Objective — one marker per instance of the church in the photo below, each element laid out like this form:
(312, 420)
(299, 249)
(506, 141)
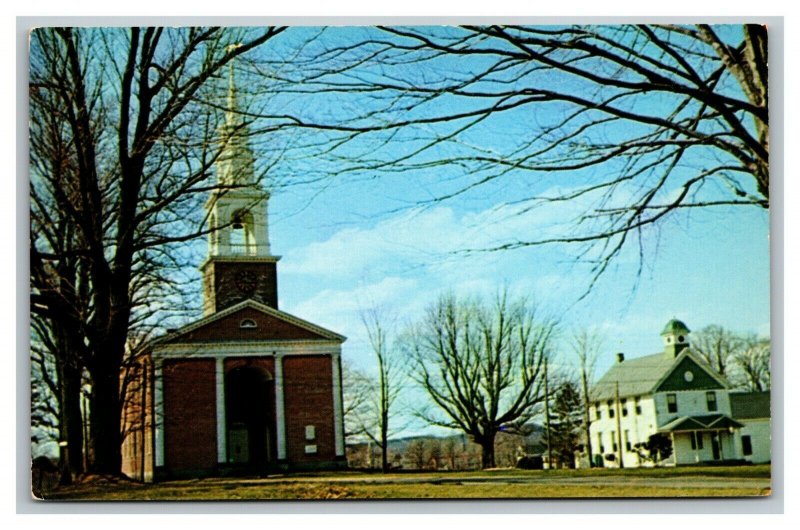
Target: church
(248, 388)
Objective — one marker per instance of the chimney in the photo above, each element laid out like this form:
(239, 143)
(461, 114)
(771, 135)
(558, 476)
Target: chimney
(620, 357)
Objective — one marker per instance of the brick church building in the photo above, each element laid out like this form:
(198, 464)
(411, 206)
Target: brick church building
(247, 388)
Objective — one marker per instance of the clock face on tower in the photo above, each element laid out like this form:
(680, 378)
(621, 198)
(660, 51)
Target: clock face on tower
(245, 282)
(231, 282)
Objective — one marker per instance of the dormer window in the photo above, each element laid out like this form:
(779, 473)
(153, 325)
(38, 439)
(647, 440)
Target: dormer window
(248, 323)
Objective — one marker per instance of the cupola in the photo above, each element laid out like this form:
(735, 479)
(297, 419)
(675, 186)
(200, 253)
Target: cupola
(676, 337)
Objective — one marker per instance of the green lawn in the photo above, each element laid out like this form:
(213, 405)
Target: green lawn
(491, 484)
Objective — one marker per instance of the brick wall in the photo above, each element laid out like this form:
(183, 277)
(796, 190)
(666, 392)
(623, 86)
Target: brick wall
(308, 398)
(266, 363)
(190, 432)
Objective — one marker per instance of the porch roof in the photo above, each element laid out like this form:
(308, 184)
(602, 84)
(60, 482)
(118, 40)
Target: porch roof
(712, 422)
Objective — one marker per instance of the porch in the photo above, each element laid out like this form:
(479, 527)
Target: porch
(702, 439)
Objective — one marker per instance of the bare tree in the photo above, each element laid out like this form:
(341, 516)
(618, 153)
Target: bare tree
(415, 453)
(718, 347)
(586, 345)
(753, 364)
(482, 365)
(355, 393)
(141, 125)
(649, 121)
(743, 359)
(375, 416)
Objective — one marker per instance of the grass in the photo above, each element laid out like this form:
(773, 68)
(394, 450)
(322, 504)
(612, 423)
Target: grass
(741, 481)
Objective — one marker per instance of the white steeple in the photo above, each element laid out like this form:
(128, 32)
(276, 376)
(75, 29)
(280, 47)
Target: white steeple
(238, 210)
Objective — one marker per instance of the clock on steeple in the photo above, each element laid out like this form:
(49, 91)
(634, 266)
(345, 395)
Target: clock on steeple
(239, 265)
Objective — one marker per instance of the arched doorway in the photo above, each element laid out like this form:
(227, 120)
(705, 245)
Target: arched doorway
(249, 406)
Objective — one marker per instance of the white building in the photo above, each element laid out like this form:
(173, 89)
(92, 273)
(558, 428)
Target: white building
(752, 410)
(678, 395)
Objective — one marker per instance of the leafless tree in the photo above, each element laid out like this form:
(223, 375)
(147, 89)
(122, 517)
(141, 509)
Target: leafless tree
(649, 122)
(482, 365)
(753, 364)
(141, 124)
(743, 359)
(355, 393)
(718, 347)
(586, 345)
(415, 453)
(376, 416)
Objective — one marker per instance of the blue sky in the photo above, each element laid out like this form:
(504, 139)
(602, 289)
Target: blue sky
(362, 240)
(359, 241)
(710, 268)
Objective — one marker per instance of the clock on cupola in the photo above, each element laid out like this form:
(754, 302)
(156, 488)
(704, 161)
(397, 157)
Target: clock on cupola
(239, 265)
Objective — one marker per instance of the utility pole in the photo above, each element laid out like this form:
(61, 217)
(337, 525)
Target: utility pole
(547, 416)
(619, 427)
(587, 421)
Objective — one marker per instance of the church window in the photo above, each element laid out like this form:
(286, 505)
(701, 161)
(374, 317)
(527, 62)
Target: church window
(638, 405)
(610, 409)
(248, 323)
(623, 403)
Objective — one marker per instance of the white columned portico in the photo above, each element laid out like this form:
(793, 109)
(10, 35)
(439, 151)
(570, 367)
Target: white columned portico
(338, 427)
(280, 418)
(159, 410)
(222, 449)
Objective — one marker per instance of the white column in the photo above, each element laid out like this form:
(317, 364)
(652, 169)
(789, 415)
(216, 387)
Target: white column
(159, 406)
(338, 415)
(222, 449)
(279, 407)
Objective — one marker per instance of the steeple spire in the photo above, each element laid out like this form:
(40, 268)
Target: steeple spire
(240, 264)
(236, 165)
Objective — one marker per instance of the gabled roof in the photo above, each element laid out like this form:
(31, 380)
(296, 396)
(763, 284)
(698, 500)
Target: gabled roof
(750, 405)
(310, 331)
(700, 423)
(643, 375)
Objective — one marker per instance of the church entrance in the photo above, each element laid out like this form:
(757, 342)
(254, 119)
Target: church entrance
(249, 409)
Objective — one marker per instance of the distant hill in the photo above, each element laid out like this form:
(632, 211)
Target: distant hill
(455, 451)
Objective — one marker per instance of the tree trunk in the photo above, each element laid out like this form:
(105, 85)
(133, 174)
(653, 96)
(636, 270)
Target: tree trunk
(105, 423)
(385, 442)
(487, 450)
(71, 428)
